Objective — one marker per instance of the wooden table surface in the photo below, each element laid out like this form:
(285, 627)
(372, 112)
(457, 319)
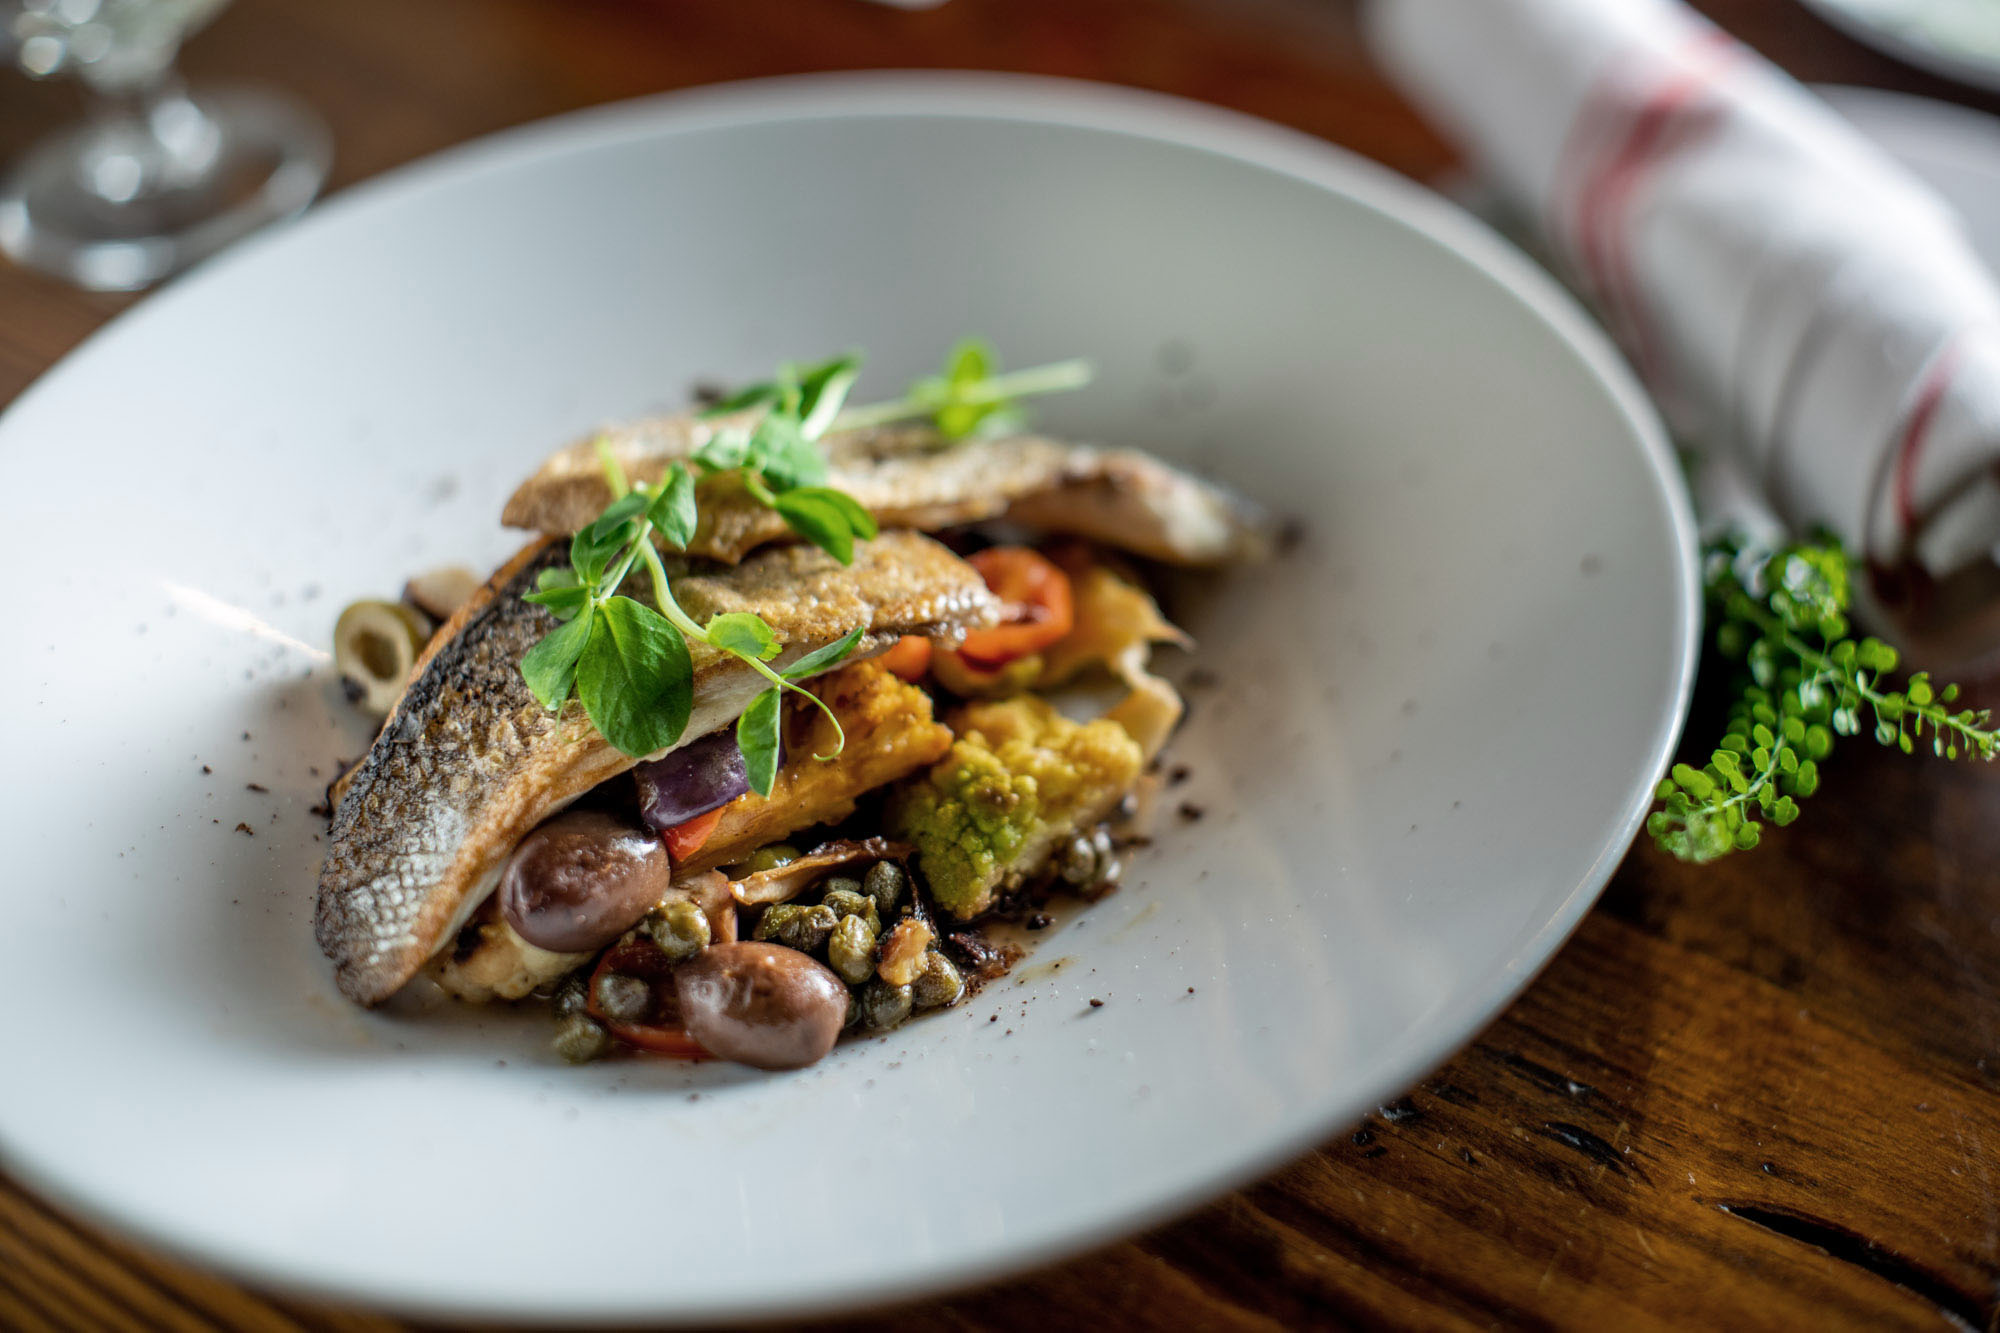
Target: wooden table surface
(1761, 1094)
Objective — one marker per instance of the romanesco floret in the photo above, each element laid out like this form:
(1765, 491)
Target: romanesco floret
(1019, 780)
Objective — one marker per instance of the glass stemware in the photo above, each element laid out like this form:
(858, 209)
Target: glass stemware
(157, 176)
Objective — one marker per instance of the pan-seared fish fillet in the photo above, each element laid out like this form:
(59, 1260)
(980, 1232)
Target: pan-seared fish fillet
(469, 762)
(890, 734)
(910, 477)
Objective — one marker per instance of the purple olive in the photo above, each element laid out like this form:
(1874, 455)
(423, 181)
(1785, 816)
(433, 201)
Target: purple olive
(581, 880)
(761, 1004)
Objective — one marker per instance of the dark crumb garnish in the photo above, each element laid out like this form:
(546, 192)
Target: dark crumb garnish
(1097, 1004)
(246, 829)
(982, 960)
(251, 786)
(206, 769)
(1180, 774)
(1190, 990)
(1191, 812)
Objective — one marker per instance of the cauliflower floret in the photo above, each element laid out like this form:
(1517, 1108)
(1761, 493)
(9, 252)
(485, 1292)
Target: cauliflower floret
(1020, 780)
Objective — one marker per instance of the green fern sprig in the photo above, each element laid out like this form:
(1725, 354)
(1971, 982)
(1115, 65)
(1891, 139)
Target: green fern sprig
(1804, 682)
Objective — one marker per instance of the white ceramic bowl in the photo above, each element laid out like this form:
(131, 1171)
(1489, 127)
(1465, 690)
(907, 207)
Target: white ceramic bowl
(1432, 733)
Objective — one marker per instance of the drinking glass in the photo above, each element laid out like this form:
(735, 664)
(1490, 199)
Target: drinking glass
(157, 176)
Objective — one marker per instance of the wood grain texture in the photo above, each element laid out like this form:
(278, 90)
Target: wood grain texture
(1758, 1095)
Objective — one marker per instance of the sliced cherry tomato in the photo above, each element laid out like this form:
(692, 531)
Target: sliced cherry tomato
(910, 658)
(1037, 607)
(684, 840)
(666, 1036)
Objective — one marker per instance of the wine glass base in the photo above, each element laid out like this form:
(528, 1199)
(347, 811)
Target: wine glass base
(61, 209)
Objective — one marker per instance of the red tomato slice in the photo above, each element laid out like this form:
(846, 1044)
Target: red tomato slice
(684, 840)
(910, 658)
(640, 959)
(1038, 608)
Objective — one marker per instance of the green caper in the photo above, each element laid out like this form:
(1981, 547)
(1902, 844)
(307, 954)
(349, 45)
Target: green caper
(774, 920)
(767, 857)
(680, 929)
(621, 998)
(810, 929)
(939, 984)
(579, 1041)
(853, 1011)
(840, 884)
(569, 998)
(884, 1006)
(884, 884)
(1079, 862)
(796, 927)
(851, 949)
(849, 902)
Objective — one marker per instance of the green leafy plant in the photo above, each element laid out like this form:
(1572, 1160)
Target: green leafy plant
(1804, 681)
(628, 662)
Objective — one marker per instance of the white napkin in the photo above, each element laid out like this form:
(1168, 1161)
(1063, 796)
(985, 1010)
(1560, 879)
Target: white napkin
(1788, 293)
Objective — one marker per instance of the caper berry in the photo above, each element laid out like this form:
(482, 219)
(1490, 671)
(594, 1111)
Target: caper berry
(939, 984)
(680, 929)
(579, 1041)
(849, 902)
(884, 884)
(884, 1006)
(623, 999)
(851, 949)
(768, 857)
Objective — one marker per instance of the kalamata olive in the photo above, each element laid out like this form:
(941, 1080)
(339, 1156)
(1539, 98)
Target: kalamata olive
(761, 1004)
(581, 880)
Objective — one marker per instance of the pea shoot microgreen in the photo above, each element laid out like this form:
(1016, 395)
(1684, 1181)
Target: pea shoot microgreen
(1804, 681)
(629, 663)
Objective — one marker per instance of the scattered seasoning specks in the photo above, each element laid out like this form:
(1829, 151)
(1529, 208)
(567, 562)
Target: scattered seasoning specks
(1190, 811)
(246, 829)
(1097, 1004)
(1180, 774)
(262, 791)
(206, 769)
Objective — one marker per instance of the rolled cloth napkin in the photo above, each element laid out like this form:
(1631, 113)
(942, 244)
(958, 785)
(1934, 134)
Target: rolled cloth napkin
(1791, 296)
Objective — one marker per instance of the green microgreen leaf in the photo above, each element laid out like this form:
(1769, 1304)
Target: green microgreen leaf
(550, 666)
(560, 591)
(672, 510)
(829, 519)
(757, 736)
(744, 634)
(635, 678)
(782, 453)
(822, 391)
(820, 659)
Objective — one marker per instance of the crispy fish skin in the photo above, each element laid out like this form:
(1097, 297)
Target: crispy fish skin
(469, 762)
(910, 477)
